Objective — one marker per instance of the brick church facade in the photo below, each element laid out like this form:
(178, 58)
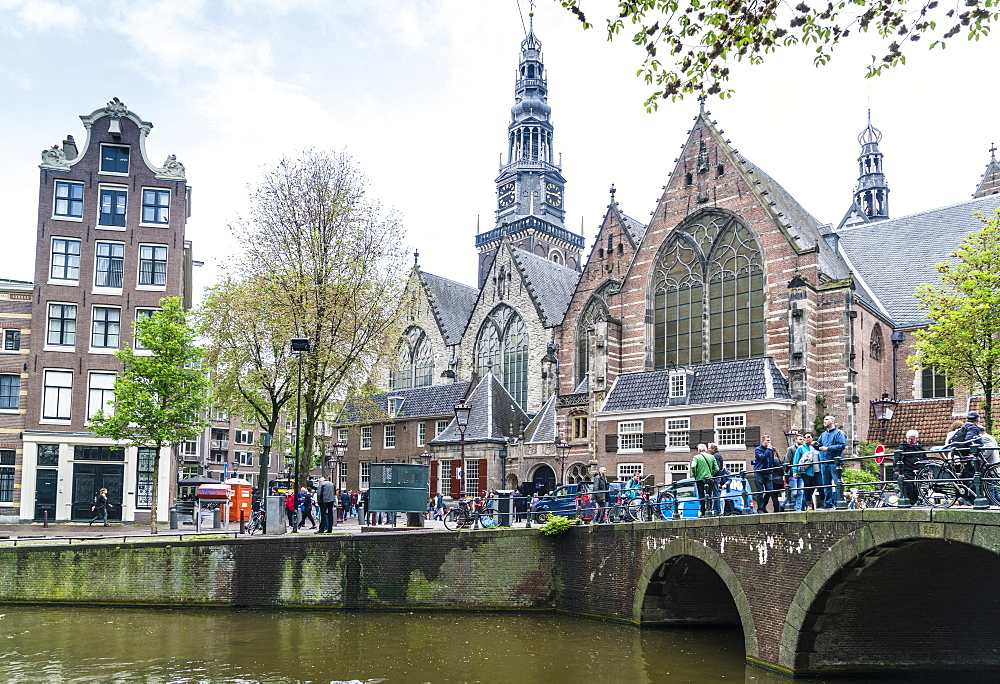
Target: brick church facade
(731, 314)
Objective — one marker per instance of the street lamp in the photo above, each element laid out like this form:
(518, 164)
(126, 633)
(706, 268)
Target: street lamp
(337, 450)
(884, 408)
(300, 346)
(562, 453)
(462, 411)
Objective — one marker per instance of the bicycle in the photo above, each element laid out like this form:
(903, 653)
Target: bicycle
(642, 508)
(942, 481)
(256, 522)
(468, 511)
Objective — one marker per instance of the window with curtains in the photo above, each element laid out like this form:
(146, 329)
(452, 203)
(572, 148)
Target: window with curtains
(708, 302)
(502, 346)
(145, 464)
(7, 459)
(414, 361)
(110, 264)
(153, 265)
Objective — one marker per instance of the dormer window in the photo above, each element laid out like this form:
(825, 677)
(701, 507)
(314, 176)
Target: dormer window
(678, 385)
(395, 406)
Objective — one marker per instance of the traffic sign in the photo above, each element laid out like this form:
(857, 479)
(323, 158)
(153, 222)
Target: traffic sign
(879, 454)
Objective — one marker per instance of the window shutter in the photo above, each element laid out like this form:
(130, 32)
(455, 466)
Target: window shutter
(482, 476)
(434, 478)
(654, 441)
(752, 435)
(611, 443)
(707, 436)
(456, 484)
(695, 438)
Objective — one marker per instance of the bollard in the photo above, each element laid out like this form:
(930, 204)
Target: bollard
(903, 500)
(243, 522)
(45, 519)
(173, 518)
(216, 519)
(981, 503)
(838, 468)
(789, 504)
(746, 494)
(676, 508)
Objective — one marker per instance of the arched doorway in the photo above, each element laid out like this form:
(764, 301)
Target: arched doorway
(914, 604)
(544, 479)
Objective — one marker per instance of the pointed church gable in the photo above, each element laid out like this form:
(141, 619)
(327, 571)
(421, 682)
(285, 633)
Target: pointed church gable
(551, 285)
(452, 304)
(989, 184)
(494, 416)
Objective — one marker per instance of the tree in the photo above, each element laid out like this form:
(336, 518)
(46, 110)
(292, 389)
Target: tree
(328, 263)
(161, 393)
(253, 372)
(964, 339)
(699, 37)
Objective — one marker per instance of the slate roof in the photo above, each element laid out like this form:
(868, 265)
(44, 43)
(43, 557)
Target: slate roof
(896, 255)
(494, 413)
(990, 183)
(452, 303)
(551, 285)
(805, 228)
(636, 229)
(542, 428)
(931, 417)
(745, 380)
(433, 400)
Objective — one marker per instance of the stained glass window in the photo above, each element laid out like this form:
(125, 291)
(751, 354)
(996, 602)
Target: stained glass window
(414, 361)
(502, 346)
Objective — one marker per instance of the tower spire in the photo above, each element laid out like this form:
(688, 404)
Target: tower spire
(990, 183)
(872, 193)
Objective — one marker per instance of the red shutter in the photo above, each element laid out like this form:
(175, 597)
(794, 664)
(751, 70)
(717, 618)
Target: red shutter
(456, 484)
(482, 476)
(434, 478)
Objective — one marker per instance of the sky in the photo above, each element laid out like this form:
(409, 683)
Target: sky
(419, 94)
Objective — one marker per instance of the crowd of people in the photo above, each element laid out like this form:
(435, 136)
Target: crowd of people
(321, 502)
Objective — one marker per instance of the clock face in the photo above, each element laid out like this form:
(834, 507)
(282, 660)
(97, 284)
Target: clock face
(553, 194)
(506, 194)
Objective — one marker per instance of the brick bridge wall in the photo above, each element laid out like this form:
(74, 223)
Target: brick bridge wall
(832, 591)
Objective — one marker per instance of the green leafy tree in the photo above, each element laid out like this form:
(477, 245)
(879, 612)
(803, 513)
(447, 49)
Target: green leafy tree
(329, 264)
(964, 340)
(161, 394)
(688, 45)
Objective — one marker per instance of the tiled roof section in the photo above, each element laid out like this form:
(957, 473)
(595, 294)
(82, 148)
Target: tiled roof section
(804, 227)
(990, 183)
(746, 380)
(433, 400)
(453, 303)
(551, 285)
(891, 273)
(636, 229)
(931, 417)
(584, 386)
(495, 415)
(542, 428)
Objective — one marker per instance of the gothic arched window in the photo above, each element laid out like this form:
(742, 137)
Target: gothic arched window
(711, 266)
(414, 361)
(595, 310)
(502, 346)
(875, 345)
(577, 473)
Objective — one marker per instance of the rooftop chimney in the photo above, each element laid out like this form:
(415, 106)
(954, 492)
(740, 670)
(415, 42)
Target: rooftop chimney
(69, 148)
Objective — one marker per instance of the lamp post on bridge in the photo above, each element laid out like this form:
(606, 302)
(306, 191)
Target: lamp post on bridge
(462, 411)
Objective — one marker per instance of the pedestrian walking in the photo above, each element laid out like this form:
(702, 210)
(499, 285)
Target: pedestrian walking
(100, 507)
(306, 506)
(832, 443)
(290, 510)
(345, 505)
(721, 479)
(601, 494)
(326, 496)
(765, 467)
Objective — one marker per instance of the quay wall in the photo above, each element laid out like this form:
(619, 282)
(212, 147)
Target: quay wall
(503, 570)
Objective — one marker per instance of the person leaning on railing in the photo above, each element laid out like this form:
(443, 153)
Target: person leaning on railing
(913, 451)
(703, 469)
(766, 471)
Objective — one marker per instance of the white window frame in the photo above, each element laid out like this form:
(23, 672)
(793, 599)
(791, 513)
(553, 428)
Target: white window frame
(470, 466)
(17, 396)
(444, 478)
(342, 434)
(244, 458)
(342, 484)
(244, 437)
(104, 289)
(100, 205)
(76, 327)
(142, 206)
(678, 385)
(136, 316)
(139, 285)
(71, 282)
(364, 475)
(93, 329)
(8, 469)
(577, 422)
(627, 470)
(366, 437)
(729, 429)
(100, 161)
(630, 436)
(735, 466)
(671, 467)
(100, 395)
(63, 397)
(388, 436)
(188, 448)
(678, 433)
(56, 198)
(440, 426)
(421, 434)
(3, 340)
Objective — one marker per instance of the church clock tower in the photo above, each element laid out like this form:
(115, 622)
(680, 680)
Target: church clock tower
(530, 187)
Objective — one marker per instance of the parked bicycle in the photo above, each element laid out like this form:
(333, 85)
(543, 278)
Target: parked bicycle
(256, 522)
(941, 481)
(468, 511)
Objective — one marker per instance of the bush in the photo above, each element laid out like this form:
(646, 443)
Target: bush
(853, 476)
(556, 524)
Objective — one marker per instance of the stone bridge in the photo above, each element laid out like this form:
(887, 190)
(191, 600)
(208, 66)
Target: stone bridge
(814, 593)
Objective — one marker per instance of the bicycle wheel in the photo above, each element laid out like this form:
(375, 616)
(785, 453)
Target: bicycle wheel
(487, 519)
(454, 518)
(933, 489)
(991, 483)
(639, 511)
(254, 525)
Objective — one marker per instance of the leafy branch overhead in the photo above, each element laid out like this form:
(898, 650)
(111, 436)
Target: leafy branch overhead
(689, 45)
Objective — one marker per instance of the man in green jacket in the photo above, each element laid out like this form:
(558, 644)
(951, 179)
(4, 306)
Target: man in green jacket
(703, 469)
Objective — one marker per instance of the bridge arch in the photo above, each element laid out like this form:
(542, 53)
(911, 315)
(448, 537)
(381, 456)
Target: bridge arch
(895, 596)
(698, 565)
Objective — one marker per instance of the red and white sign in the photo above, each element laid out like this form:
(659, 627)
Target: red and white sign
(879, 454)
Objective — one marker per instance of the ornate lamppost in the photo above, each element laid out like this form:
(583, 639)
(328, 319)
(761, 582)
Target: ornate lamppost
(884, 408)
(462, 411)
(337, 451)
(562, 453)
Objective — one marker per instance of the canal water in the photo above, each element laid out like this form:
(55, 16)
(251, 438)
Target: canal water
(55, 644)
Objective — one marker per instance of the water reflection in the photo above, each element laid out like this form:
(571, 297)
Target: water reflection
(158, 645)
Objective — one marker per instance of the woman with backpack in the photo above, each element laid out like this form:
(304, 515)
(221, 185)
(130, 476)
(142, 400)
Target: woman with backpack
(806, 468)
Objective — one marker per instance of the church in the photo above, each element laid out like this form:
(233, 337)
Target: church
(730, 314)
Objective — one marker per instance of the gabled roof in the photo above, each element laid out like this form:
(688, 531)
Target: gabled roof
(854, 216)
(495, 415)
(452, 304)
(542, 428)
(636, 228)
(420, 402)
(551, 285)
(990, 183)
(895, 255)
(745, 380)
(931, 417)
